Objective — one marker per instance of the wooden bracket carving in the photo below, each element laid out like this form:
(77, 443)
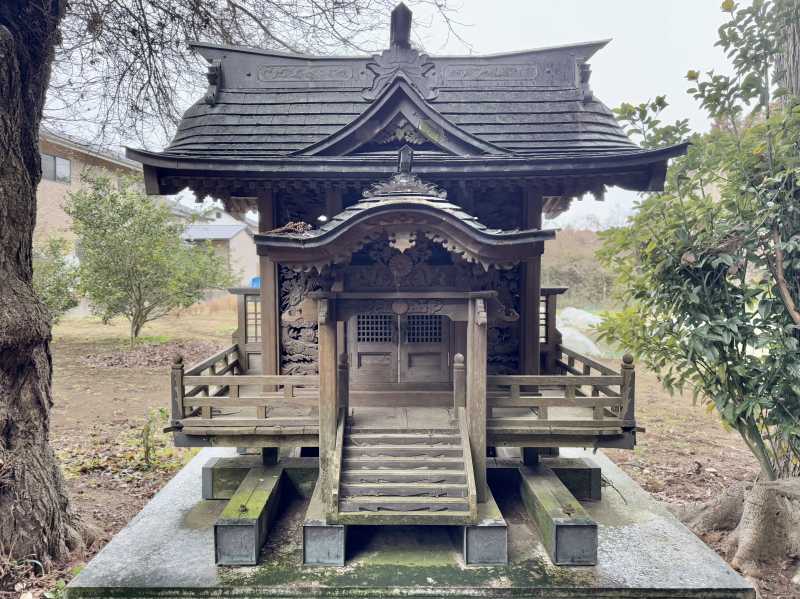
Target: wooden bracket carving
(323, 307)
(480, 312)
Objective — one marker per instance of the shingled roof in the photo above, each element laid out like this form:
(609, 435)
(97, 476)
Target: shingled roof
(269, 104)
(530, 113)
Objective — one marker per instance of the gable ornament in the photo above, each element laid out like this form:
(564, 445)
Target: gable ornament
(402, 63)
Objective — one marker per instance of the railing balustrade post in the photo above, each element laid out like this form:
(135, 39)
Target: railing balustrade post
(344, 384)
(459, 382)
(628, 389)
(176, 384)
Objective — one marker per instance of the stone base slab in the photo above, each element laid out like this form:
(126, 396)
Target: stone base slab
(167, 551)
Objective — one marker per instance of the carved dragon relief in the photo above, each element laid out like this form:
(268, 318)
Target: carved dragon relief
(402, 131)
(299, 349)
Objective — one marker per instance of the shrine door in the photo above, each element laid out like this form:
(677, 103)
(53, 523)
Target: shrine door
(387, 348)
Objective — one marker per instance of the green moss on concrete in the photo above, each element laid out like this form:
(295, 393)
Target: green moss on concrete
(202, 515)
(253, 494)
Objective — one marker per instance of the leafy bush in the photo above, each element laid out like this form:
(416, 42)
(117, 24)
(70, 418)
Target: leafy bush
(55, 276)
(133, 260)
(710, 268)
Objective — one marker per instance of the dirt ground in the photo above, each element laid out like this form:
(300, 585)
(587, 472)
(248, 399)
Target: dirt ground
(109, 405)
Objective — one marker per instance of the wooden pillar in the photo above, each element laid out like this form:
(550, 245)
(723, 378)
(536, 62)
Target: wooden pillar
(531, 289)
(328, 393)
(270, 315)
(476, 393)
(333, 206)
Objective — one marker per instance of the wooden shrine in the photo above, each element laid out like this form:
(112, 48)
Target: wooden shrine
(401, 326)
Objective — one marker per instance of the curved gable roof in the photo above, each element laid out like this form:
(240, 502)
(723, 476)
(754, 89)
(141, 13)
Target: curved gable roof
(401, 101)
(268, 104)
(403, 208)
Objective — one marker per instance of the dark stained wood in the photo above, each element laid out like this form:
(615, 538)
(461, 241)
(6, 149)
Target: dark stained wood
(531, 288)
(328, 399)
(476, 393)
(270, 326)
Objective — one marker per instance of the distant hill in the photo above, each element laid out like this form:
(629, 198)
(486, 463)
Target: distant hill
(569, 261)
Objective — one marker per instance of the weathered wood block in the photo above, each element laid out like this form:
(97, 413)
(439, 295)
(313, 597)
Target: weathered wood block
(323, 544)
(222, 476)
(568, 533)
(241, 529)
(532, 455)
(580, 475)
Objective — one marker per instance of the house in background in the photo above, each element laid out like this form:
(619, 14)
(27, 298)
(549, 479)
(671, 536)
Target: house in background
(231, 238)
(64, 160)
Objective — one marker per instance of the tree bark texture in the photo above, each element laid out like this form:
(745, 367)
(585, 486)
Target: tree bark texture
(788, 62)
(35, 518)
(762, 519)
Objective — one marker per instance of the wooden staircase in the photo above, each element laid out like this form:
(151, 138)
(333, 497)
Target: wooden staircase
(406, 476)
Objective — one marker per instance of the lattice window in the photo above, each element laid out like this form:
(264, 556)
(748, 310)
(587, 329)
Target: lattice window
(252, 315)
(375, 328)
(422, 328)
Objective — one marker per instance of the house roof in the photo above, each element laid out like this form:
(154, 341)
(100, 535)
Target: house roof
(77, 145)
(211, 232)
(531, 114)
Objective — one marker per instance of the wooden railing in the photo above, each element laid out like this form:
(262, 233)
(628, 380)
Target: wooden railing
(605, 396)
(212, 393)
(469, 466)
(549, 336)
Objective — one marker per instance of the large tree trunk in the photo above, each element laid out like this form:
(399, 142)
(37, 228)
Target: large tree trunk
(788, 61)
(762, 519)
(35, 519)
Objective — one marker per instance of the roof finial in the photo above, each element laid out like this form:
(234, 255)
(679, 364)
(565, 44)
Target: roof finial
(405, 159)
(400, 36)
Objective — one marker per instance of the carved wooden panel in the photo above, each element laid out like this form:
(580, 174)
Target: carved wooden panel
(299, 349)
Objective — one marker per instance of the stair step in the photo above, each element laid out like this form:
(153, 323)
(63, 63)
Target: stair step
(372, 430)
(403, 504)
(403, 439)
(386, 475)
(403, 490)
(427, 451)
(405, 463)
(448, 518)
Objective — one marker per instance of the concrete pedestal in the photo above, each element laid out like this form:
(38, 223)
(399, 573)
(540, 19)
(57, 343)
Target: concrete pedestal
(167, 552)
(323, 544)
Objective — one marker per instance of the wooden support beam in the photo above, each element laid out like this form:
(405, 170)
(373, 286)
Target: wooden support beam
(476, 393)
(568, 533)
(328, 392)
(333, 206)
(270, 315)
(531, 289)
(222, 476)
(242, 527)
(581, 476)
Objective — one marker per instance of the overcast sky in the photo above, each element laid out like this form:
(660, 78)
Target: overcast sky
(653, 44)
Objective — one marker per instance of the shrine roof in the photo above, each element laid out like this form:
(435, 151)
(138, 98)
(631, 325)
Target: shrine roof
(274, 113)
